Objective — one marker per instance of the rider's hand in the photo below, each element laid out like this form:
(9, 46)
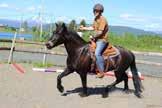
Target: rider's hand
(92, 38)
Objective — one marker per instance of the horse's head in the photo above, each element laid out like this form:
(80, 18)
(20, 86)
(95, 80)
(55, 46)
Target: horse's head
(58, 36)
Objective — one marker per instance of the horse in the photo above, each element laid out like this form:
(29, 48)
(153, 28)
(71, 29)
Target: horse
(79, 60)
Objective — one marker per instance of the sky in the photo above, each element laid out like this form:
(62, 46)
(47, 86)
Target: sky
(142, 14)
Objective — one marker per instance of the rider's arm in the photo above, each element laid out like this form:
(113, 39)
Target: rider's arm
(86, 28)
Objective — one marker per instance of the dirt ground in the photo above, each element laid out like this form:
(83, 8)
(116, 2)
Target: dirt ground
(38, 90)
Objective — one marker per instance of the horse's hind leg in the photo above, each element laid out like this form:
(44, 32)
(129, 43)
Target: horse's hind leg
(83, 77)
(119, 78)
(125, 78)
(107, 89)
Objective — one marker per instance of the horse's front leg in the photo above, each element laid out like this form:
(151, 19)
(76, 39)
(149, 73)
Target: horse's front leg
(64, 73)
(83, 77)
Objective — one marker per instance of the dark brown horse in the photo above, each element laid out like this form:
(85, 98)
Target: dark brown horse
(79, 60)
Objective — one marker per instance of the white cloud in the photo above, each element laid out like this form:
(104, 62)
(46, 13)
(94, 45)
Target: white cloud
(68, 19)
(153, 25)
(2, 17)
(63, 18)
(39, 7)
(35, 17)
(31, 8)
(80, 18)
(160, 18)
(27, 9)
(7, 6)
(17, 9)
(125, 16)
(130, 17)
(4, 5)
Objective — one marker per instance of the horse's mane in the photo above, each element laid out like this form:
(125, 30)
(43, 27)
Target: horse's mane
(75, 36)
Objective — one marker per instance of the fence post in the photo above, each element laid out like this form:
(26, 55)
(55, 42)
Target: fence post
(10, 58)
(44, 56)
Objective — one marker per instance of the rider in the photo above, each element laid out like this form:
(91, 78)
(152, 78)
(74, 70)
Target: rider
(100, 26)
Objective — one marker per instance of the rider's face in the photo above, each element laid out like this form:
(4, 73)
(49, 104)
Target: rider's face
(96, 13)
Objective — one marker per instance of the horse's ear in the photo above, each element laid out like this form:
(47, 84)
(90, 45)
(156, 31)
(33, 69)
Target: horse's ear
(64, 26)
(56, 24)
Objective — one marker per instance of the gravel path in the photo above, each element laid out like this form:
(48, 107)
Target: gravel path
(38, 90)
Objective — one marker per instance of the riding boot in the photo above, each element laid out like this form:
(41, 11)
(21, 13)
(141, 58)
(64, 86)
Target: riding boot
(100, 74)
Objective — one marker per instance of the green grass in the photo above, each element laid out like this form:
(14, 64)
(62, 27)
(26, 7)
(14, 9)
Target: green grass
(140, 43)
(7, 30)
(151, 43)
(38, 64)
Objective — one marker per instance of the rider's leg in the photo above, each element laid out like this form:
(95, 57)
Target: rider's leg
(100, 47)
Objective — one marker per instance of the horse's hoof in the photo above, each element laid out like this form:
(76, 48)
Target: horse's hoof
(138, 94)
(105, 95)
(60, 88)
(83, 94)
(64, 94)
(127, 91)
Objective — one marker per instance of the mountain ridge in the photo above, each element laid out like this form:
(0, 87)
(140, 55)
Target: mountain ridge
(125, 29)
(115, 29)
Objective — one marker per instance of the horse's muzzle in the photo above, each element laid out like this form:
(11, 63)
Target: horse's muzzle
(49, 45)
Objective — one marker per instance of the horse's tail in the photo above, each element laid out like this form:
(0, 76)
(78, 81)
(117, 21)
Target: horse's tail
(136, 79)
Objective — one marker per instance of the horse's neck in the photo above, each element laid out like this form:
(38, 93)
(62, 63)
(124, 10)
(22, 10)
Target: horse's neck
(72, 48)
(73, 45)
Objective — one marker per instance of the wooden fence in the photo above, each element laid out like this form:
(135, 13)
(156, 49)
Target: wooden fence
(45, 51)
(12, 48)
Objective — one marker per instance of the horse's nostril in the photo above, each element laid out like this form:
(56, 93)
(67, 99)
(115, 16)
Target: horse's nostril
(47, 44)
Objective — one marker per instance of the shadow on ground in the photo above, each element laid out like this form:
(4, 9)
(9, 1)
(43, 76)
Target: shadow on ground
(96, 91)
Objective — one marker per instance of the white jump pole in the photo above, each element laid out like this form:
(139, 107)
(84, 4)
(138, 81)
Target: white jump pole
(110, 73)
(44, 56)
(47, 70)
(12, 48)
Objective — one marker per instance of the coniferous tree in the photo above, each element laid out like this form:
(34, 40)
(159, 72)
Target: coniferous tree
(73, 25)
(83, 23)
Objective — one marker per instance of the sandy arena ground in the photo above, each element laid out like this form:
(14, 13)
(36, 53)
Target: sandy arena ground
(38, 90)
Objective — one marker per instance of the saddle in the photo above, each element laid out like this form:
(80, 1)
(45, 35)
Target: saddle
(110, 51)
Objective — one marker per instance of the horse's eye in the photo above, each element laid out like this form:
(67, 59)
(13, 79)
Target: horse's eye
(54, 32)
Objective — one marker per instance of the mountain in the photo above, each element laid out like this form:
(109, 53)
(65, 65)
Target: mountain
(158, 32)
(135, 31)
(11, 23)
(115, 29)
(16, 23)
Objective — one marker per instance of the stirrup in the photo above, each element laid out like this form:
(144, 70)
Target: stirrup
(100, 75)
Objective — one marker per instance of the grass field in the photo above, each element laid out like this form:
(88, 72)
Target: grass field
(152, 43)
(140, 43)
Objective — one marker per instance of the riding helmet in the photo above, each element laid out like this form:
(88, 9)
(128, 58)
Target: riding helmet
(98, 7)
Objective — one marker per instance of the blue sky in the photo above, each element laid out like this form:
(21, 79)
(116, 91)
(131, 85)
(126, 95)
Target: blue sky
(143, 14)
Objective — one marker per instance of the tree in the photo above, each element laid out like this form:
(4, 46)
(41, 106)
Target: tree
(83, 23)
(34, 29)
(25, 25)
(72, 25)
